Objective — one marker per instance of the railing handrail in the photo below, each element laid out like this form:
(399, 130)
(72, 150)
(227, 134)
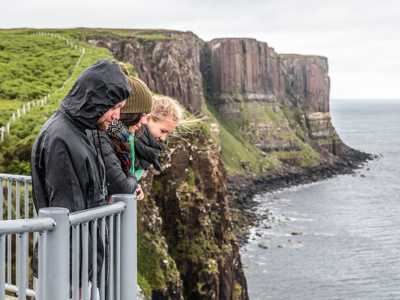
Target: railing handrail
(15, 177)
(26, 225)
(91, 214)
(58, 231)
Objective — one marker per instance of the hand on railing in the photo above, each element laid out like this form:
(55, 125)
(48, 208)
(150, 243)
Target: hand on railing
(139, 193)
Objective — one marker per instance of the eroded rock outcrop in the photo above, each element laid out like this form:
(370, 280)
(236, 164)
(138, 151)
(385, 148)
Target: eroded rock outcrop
(307, 88)
(169, 65)
(193, 209)
(276, 98)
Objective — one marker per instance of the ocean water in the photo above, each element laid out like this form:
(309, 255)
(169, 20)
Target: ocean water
(338, 238)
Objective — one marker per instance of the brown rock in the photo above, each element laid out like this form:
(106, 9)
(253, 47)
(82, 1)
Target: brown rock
(169, 66)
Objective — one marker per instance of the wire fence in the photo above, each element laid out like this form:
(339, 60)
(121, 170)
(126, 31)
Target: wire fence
(28, 106)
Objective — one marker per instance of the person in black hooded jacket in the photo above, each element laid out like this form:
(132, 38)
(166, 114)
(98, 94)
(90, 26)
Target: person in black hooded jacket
(67, 170)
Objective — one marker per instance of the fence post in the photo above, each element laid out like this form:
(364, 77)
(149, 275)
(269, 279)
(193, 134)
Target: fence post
(128, 247)
(56, 269)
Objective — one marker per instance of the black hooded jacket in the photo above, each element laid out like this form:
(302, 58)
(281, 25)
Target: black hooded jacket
(67, 170)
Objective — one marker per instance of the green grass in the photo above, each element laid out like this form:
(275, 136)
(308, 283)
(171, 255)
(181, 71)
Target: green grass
(16, 149)
(305, 157)
(84, 34)
(152, 275)
(31, 66)
(237, 151)
(7, 107)
(238, 138)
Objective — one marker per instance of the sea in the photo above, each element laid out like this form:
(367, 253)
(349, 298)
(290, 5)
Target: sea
(338, 238)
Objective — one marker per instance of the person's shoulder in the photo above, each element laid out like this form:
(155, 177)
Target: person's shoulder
(52, 129)
(57, 126)
(98, 137)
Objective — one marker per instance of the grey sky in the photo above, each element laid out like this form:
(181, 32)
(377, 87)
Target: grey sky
(359, 37)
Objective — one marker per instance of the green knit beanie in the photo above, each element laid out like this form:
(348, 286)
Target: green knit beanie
(141, 99)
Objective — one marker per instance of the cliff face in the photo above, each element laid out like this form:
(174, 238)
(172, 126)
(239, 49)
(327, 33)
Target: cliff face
(187, 248)
(307, 87)
(243, 68)
(306, 81)
(169, 65)
(193, 200)
(279, 99)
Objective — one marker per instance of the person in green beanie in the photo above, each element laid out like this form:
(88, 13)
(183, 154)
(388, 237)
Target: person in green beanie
(116, 143)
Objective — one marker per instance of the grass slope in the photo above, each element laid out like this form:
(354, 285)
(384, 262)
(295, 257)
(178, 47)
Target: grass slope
(239, 156)
(31, 65)
(30, 68)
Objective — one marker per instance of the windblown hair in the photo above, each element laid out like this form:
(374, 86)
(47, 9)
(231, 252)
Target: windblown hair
(165, 107)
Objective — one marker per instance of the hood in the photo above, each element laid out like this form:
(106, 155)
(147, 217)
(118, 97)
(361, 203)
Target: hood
(97, 89)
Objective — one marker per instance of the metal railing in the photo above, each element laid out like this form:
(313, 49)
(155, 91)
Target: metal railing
(15, 203)
(21, 228)
(68, 248)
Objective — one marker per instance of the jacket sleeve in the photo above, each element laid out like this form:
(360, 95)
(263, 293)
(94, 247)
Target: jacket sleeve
(63, 186)
(117, 181)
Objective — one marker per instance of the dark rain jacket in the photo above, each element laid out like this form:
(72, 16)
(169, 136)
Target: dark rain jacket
(118, 180)
(67, 170)
(116, 151)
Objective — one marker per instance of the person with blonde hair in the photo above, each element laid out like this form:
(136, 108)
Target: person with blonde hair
(166, 114)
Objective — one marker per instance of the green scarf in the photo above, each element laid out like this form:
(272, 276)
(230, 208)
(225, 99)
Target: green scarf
(139, 172)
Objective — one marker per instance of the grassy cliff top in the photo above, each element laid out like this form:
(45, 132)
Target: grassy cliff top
(300, 56)
(83, 33)
(32, 65)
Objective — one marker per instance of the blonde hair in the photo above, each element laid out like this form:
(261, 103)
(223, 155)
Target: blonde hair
(165, 107)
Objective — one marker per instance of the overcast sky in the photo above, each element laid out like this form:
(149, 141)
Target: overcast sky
(361, 38)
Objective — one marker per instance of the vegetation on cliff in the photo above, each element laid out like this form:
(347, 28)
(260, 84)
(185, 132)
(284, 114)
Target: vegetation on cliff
(30, 68)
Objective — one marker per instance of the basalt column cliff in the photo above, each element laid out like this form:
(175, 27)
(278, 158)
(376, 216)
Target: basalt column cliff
(278, 102)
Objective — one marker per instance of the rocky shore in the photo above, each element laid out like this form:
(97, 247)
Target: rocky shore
(243, 189)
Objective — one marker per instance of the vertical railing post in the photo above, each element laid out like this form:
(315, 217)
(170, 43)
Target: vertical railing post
(56, 271)
(2, 265)
(128, 247)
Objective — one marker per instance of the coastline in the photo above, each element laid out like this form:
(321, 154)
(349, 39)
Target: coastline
(243, 189)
